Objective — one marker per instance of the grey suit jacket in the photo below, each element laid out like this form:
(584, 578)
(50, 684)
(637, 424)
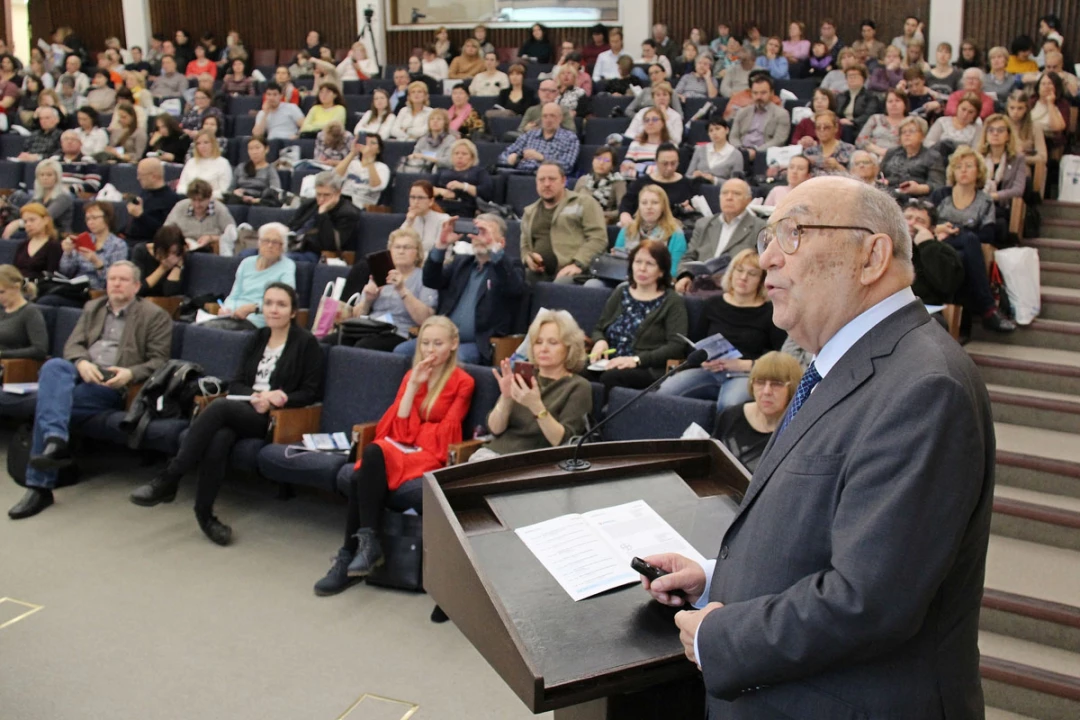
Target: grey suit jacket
(706, 236)
(777, 126)
(852, 574)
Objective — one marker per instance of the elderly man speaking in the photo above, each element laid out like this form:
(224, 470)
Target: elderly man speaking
(848, 584)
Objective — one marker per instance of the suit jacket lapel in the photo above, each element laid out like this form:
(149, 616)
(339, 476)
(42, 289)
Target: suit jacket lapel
(853, 369)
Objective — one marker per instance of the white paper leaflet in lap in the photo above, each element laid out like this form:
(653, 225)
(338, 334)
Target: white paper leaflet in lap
(590, 553)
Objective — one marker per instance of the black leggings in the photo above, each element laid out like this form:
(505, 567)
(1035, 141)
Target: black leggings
(367, 494)
(209, 442)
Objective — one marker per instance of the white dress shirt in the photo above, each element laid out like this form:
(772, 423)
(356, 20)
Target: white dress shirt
(607, 65)
(836, 347)
(727, 229)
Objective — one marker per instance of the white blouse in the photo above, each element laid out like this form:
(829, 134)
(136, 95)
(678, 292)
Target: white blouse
(408, 126)
(370, 126)
(215, 171)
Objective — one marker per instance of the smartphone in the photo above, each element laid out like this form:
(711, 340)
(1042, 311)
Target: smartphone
(465, 227)
(380, 264)
(106, 374)
(84, 241)
(525, 370)
(361, 138)
(650, 571)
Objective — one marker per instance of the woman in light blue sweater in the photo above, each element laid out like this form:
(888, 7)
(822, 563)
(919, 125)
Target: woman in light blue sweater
(256, 273)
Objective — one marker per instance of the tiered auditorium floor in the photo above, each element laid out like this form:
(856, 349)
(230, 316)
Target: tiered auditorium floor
(144, 618)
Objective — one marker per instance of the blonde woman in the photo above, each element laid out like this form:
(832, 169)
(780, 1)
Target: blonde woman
(469, 63)
(1030, 136)
(743, 315)
(432, 150)
(23, 333)
(1006, 171)
(654, 221)
(431, 404)
(549, 408)
(51, 192)
(207, 164)
(411, 122)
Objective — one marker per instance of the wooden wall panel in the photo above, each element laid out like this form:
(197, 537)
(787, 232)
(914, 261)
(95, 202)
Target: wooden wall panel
(92, 20)
(997, 22)
(262, 24)
(773, 17)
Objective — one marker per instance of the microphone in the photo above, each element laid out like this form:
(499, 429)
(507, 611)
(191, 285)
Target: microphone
(575, 464)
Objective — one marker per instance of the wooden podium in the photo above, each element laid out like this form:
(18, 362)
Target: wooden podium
(591, 659)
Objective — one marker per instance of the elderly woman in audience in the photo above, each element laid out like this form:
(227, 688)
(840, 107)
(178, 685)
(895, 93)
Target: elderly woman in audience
(959, 129)
(282, 367)
(127, 139)
(23, 333)
(912, 168)
(330, 108)
(102, 95)
(573, 100)
(654, 221)
(404, 297)
(202, 220)
(424, 216)
(432, 150)
(238, 82)
(1030, 136)
(831, 153)
(742, 313)
(161, 263)
(366, 176)
(255, 273)
(460, 109)
(141, 97)
(889, 73)
(882, 132)
(378, 119)
(332, 144)
(799, 170)
(865, 166)
(642, 323)
(168, 142)
(40, 252)
(641, 154)
(857, 103)
(460, 185)
(661, 95)
(50, 192)
(549, 408)
(517, 98)
(998, 81)
(822, 100)
(1006, 171)
(700, 83)
(604, 183)
(412, 119)
(255, 180)
(200, 109)
(207, 164)
(491, 81)
(745, 429)
(431, 404)
(93, 263)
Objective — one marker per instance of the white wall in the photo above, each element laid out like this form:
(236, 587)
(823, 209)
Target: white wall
(136, 23)
(20, 30)
(946, 23)
(636, 20)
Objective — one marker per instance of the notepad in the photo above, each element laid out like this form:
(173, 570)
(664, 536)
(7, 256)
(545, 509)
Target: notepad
(20, 388)
(590, 553)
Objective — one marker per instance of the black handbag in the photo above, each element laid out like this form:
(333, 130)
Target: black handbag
(18, 458)
(76, 292)
(612, 268)
(354, 330)
(403, 547)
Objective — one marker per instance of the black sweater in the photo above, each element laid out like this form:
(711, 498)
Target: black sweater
(298, 373)
(678, 192)
(749, 329)
(157, 204)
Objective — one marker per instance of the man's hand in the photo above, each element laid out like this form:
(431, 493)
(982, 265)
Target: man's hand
(512, 159)
(751, 153)
(682, 285)
(135, 209)
(534, 262)
(531, 154)
(688, 621)
(682, 574)
(569, 271)
(447, 236)
(121, 379)
(89, 372)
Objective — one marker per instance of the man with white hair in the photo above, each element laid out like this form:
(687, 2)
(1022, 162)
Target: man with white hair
(829, 597)
(548, 143)
(324, 223)
(971, 82)
(45, 141)
(725, 234)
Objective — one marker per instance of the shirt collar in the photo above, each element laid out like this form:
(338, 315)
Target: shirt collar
(121, 313)
(847, 336)
(738, 218)
(209, 210)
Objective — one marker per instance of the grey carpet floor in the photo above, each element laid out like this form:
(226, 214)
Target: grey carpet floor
(144, 618)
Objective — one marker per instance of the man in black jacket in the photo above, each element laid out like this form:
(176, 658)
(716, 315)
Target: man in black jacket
(152, 205)
(480, 292)
(326, 222)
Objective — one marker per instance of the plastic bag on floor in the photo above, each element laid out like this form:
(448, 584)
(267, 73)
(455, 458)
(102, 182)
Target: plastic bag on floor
(1019, 267)
(1069, 179)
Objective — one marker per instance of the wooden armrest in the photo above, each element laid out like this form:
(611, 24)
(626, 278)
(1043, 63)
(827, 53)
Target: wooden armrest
(212, 307)
(952, 315)
(21, 370)
(1038, 181)
(459, 453)
(363, 434)
(214, 246)
(504, 347)
(348, 256)
(289, 425)
(302, 317)
(1016, 217)
(132, 391)
(672, 363)
(95, 294)
(170, 305)
(202, 401)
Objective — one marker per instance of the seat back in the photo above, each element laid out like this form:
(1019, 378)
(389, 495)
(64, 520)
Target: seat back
(597, 129)
(66, 318)
(584, 303)
(521, 192)
(7, 251)
(209, 274)
(485, 395)
(259, 216)
(374, 231)
(668, 416)
(220, 352)
(499, 126)
(304, 272)
(123, 178)
(360, 385)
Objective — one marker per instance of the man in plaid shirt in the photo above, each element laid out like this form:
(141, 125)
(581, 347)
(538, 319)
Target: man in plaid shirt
(45, 142)
(548, 143)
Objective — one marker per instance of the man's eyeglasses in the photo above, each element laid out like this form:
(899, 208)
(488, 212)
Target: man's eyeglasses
(789, 233)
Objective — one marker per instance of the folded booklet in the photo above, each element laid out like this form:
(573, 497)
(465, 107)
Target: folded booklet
(708, 267)
(718, 347)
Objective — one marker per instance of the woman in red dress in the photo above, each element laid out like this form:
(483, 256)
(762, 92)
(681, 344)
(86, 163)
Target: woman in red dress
(413, 437)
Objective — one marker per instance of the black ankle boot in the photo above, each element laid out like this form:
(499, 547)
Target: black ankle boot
(161, 489)
(213, 528)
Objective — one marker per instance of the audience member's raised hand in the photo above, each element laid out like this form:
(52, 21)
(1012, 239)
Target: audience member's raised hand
(447, 236)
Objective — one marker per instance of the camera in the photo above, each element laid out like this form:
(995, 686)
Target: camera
(369, 13)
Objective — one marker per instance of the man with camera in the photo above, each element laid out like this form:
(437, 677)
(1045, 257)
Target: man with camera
(152, 205)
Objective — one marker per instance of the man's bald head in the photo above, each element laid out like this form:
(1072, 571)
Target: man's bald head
(550, 117)
(151, 173)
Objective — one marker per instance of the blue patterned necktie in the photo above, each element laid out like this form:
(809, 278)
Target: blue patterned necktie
(809, 379)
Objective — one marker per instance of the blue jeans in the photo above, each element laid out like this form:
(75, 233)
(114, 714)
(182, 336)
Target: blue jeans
(466, 352)
(62, 398)
(728, 388)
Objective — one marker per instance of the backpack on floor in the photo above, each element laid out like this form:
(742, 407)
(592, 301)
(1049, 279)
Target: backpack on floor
(18, 458)
(403, 546)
